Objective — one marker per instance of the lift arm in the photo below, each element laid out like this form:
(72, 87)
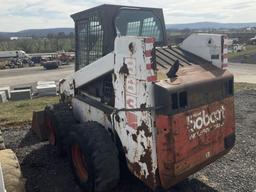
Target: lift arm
(96, 69)
(87, 74)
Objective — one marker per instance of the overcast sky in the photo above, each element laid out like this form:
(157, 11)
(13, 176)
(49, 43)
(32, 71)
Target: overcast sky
(17, 15)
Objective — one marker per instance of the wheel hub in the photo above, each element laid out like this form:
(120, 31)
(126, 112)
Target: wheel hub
(51, 132)
(79, 163)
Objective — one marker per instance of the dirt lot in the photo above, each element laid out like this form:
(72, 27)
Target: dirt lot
(236, 172)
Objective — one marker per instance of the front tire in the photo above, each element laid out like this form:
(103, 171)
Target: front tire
(94, 157)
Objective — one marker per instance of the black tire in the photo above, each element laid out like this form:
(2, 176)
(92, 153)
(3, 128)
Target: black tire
(160, 189)
(13, 179)
(99, 157)
(2, 146)
(59, 120)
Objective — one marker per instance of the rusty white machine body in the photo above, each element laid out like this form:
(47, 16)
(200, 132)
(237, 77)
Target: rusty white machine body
(171, 108)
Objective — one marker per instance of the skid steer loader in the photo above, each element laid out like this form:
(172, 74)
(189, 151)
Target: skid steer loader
(165, 112)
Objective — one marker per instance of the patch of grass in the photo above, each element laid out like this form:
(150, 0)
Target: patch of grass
(244, 86)
(250, 49)
(20, 112)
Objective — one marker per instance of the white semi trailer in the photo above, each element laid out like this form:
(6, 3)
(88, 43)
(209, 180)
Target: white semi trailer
(14, 59)
(13, 54)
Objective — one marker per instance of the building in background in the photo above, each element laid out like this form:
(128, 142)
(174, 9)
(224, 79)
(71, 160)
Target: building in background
(20, 38)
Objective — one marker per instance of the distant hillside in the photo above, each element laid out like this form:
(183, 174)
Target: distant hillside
(200, 25)
(45, 32)
(210, 25)
(37, 32)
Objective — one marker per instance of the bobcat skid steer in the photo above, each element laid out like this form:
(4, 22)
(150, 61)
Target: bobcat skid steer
(165, 112)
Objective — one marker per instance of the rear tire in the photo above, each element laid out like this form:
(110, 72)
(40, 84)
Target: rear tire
(13, 179)
(59, 120)
(94, 157)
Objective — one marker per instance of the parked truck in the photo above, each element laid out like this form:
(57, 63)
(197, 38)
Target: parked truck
(162, 112)
(50, 64)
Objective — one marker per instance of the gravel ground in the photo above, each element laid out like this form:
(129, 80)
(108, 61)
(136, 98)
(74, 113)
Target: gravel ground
(236, 172)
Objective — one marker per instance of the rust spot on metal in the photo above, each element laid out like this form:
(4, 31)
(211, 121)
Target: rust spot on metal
(146, 158)
(149, 180)
(125, 150)
(148, 176)
(142, 144)
(117, 118)
(144, 128)
(135, 167)
(124, 69)
(143, 106)
(145, 86)
(134, 138)
(131, 48)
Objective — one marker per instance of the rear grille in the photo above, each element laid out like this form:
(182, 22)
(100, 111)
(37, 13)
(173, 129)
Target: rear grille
(166, 57)
(171, 100)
